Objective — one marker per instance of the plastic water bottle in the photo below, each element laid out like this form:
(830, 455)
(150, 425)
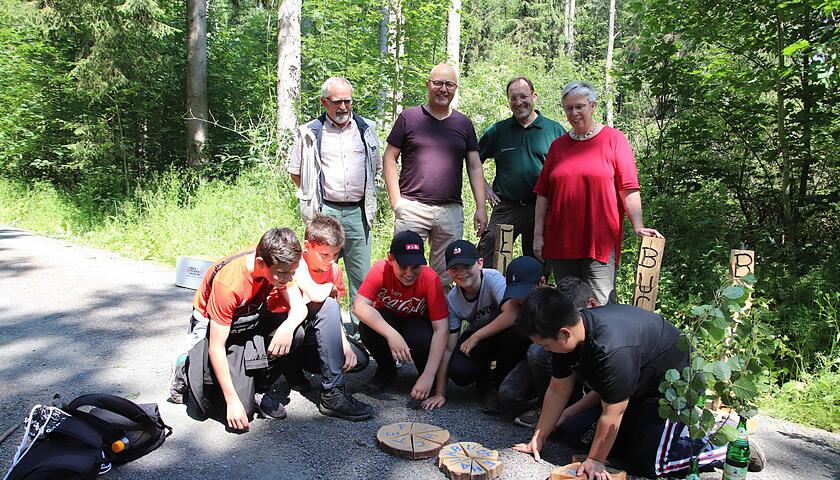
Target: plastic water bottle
(120, 445)
(737, 455)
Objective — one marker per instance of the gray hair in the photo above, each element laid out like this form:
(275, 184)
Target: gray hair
(578, 88)
(325, 88)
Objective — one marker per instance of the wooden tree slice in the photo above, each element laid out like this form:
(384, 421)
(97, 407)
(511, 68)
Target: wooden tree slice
(417, 427)
(569, 472)
(469, 461)
(411, 440)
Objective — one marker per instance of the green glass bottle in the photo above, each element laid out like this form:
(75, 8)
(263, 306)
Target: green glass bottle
(737, 455)
(694, 470)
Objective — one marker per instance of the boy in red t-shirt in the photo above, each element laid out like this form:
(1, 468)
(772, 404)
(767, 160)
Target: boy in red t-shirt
(403, 314)
(321, 281)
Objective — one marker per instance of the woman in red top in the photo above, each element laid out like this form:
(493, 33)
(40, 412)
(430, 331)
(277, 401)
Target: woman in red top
(588, 182)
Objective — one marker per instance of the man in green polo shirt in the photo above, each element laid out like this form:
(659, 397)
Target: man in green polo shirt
(518, 145)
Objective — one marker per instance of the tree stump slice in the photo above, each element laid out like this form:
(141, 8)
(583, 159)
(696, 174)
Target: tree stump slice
(569, 472)
(469, 461)
(411, 440)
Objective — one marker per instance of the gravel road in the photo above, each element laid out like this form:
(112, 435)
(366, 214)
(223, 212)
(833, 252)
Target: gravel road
(77, 320)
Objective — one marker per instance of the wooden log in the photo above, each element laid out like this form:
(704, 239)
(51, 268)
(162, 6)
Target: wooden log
(469, 461)
(411, 440)
(569, 472)
(503, 250)
(647, 272)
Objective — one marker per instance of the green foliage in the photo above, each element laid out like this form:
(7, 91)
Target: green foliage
(160, 221)
(731, 108)
(730, 350)
(813, 399)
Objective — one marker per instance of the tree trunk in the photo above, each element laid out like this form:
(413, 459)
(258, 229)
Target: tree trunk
(288, 68)
(787, 211)
(397, 30)
(807, 107)
(196, 81)
(569, 27)
(383, 56)
(453, 40)
(608, 93)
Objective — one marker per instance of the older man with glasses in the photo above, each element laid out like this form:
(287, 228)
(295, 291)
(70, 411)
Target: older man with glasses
(334, 163)
(434, 141)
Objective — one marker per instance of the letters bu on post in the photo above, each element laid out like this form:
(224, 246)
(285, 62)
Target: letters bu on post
(647, 272)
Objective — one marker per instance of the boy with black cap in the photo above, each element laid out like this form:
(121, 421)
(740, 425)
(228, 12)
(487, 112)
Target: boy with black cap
(478, 300)
(403, 314)
(524, 387)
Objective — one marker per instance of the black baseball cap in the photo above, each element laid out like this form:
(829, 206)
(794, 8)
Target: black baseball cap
(407, 249)
(522, 276)
(461, 252)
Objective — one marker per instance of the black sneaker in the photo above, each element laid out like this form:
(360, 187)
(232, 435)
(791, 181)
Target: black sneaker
(337, 402)
(270, 405)
(491, 404)
(381, 379)
(528, 419)
(757, 458)
(178, 386)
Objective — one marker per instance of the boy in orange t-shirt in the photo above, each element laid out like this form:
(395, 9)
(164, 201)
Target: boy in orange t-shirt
(246, 310)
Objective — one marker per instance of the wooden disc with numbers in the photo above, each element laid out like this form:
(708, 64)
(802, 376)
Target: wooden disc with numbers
(569, 472)
(412, 440)
(469, 461)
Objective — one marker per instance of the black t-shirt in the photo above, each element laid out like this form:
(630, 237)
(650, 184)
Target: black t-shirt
(626, 353)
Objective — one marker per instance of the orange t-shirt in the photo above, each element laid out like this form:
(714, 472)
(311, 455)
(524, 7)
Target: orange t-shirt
(334, 276)
(236, 292)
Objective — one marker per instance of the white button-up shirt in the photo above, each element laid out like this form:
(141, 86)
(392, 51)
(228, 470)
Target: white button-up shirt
(342, 162)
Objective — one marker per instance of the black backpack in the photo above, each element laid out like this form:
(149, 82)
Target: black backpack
(138, 427)
(83, 438)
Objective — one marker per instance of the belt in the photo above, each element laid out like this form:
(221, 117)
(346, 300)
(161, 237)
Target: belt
(344, 204)
(522, 203)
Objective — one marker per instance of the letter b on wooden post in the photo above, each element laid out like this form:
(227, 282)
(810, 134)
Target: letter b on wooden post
(647, 272)
(741, 263)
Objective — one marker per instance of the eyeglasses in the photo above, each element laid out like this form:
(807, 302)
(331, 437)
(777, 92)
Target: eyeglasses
(441, 84)
(575, 108)
(337, 103)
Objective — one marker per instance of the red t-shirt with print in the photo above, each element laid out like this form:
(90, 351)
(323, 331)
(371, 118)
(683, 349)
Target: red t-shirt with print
(424, 298)
(236, 292)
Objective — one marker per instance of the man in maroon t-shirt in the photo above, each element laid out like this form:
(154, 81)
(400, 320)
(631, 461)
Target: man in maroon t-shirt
(403, 314)
(434, 140)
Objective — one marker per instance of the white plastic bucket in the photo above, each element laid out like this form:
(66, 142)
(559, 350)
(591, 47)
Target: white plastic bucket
(189, 271)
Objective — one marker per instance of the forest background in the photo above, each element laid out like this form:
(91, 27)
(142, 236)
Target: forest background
(731, 108)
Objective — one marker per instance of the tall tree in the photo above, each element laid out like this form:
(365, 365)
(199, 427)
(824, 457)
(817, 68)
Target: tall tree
(288, 67)
(197, 113)
(453, 40)
(608, 93)
(569, 27)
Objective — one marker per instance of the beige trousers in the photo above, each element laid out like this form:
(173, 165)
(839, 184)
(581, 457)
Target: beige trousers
(439, 225)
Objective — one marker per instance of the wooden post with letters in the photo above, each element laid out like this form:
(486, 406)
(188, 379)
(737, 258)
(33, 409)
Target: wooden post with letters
(503, 250)
(647, 272)
(741, 263)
